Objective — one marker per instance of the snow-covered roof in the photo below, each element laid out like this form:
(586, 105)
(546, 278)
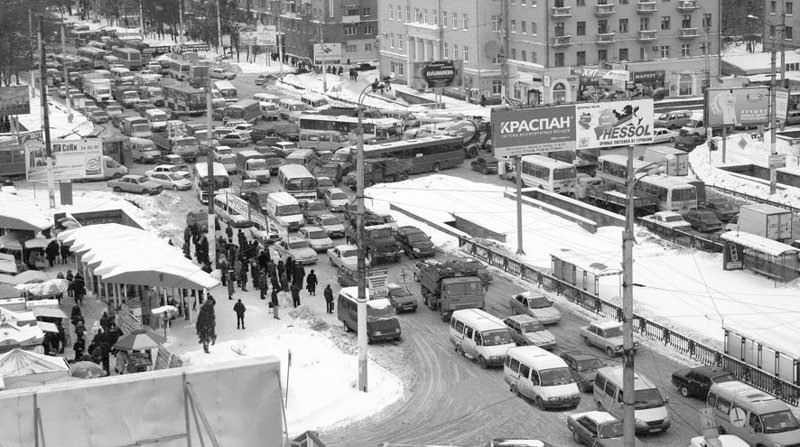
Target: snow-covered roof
(598, 266)
(752, 63)
(20, 214)
(761, 244)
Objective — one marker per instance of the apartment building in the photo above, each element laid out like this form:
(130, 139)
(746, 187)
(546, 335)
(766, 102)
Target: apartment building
(778, 25)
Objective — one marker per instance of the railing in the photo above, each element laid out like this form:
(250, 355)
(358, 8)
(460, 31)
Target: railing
(753, 198)
(647, 328)
(560, 11)
(648, 35)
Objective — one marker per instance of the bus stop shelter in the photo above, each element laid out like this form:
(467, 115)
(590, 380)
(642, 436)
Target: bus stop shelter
(583, 269)
(767, 257)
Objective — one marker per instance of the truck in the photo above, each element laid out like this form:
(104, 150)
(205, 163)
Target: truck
(764, 220)
(176, 141)
(444, 289)
(198, 75)
(135, 126)
(127, 95)
(153, 93)
(98, 89)
(252, 165)
(380, 170)
(676, 161)
(614, 197)
(379, 241)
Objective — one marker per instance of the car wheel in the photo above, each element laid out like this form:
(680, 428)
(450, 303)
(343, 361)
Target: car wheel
(146, 192)
(703, 228)
(117, 189)
(609, 351)
(576, 437)
(514, 390)
(116, 175)
(671, 139)
(685, 391)
(346, 329)
(539, 403)
(484, 171)
(721, 430)
(482, 362)
(586, 340)
(599, 405)
(436, 167)
(174, 187)
(459, 351)
(514, 310)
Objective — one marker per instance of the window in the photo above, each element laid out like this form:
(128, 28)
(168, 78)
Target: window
(402, 69)
(707, 19)
(352, 10)
(367, 29)
(559, 29)
(425, 16)
(400, 13)
(497, 87)
(524, 370)
(685, 50)
(523, 27)
(391, 11)
(602, 55)
(468, 331)
(523, 2)
(611, 389)
(644, 23)
(350, 30)
(513, 26)
(755, 422)
(643, 53)
(788, 7)
(399, 41)
(366, 12)
(599, 382)
(446, 50)
(623, 54)
(435, 17)
(455, 21)
(524, 56)
(455, 52)
(581, 29)
(495, 23)
(665, 23)
(351, 48)
(513, 365)
(581, 3)
(533, 57)
(581, 58)
(787, 32)
(602, 26)
(685, 84)
(465, 19)
(513, 54)
(466, 53)
(444, 18)
(664, 52)
(623, 25)
(772, 7)
(391, 40)
(686, 21)
(559, 60)
(417, 15)
(533, 28)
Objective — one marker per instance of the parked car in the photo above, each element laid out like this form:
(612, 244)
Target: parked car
(264, 79)
(517, 442)
(171, 180)
(330, 223)
(528, 331)
(336, 199)
(536, 305)
(664, 135)
(687, 143)
(137, 184)
(595, 428)
(181, 170)
(313, 208)
(221, 73)
(703, 220)
(485, 165)
(606, 335)
(324, 184)
(415, 243)
(402, 299)
(143, 106)
(724, 441)
(99, 117)
(666, 219)
(345, 256)
(316, 237)
(234, 139)
(298, 248)
(695, 382)
(473, 267)
(583, 367)
(724, 209)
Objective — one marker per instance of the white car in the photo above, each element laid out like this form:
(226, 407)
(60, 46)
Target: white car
(724, 441)
(336, 199)
(666, 219)
(171, 180)
(664, 135)
(330, 223)
(316, 237)
(298, 248)
(221, 73)
(169, 168)
(536, 305)
(345, 256)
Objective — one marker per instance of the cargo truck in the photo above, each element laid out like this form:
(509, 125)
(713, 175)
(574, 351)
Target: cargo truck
(675, 161)
(176, 141)
(98, 89)
(126, 95)
(252, 165)
(135, 126)
(444, 289)
(763, 220)
(379, 241)
(198, 76)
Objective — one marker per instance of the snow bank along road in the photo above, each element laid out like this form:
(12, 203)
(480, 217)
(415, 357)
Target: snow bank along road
(452, 401)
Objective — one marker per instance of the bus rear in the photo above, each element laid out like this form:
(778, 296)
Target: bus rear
(201, 179)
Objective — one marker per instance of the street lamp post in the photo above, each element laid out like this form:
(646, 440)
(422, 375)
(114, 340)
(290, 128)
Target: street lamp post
(212, 222)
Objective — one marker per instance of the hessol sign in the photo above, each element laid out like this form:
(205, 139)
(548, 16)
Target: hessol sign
(439, 74)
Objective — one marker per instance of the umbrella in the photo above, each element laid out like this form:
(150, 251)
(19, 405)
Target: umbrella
(140, 340)
(37, 242)
(47, 288)
(86, 370)
(29, 276)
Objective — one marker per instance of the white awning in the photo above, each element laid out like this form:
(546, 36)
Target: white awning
(758, 243)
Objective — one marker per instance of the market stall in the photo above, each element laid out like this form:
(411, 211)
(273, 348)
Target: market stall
(21, 369)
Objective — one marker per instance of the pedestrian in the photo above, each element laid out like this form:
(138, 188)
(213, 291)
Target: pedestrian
(206, 324)
(231, 282)
(223, 268)
(483, 101)
(328, 293)
(80, 288)
(299, 275)
(114, 333)
(254, 271)
(341, 70)
(121, 361)
(64, 253)
(276, 285)
(280, 268)
(295, 295)
(274, 303)
(263, 258)
(240, 310)
(272, 269)
(51, 252)
(76, 314)
(70, 283)
(105, 321)
(243, 279)
(263, 283)
(284, 282)
(229, 233)
(311, 283)
(237, 270)
(79, 346)
(289, 268)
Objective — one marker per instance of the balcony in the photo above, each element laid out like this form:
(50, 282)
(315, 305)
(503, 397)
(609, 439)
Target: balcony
(351, 19)
(688, 5)
(561, 41)
(603, 10)
(290, 15)
(605, 38)
(560, 12)
(646, 7)
(689, 33)
(647, 35)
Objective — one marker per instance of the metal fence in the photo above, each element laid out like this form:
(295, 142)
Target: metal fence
(754, 199)
(649, 329)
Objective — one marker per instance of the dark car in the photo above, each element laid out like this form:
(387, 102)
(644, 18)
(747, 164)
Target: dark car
(583, 367)
(723, 209)
(703, 220)
(687, 143)
(415, 242)
(143, 106)
(485, 165)
(595, 428)
(695, 382)
(471, 267)
(402, 299)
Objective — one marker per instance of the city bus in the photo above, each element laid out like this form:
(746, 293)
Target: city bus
(187, 100)
(128, 57)
(95, 55)
(674, 193)
(546, 173)
(200, 179)
(390, 129)
(246, 110)
(298, 181)
(431, 153)
(614, 168)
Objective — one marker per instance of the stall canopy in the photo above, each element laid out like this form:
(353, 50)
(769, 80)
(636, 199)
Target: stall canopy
(20, 214)
(20, 369)
(126, 255)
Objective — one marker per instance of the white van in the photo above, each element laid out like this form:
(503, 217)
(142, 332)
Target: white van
(285, 210)
(112, 168)
(322, 140)
(695, 126)
(269, 111)
(650, 408)
(290, 109)
(267, 97)
(157, 119)
(480, 336)
(753, 415)
(303, 157)
(227, 90)
(144, 150)
(314, 101)
(541, 376)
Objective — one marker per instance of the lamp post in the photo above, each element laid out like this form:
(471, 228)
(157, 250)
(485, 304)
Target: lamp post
(212, 223)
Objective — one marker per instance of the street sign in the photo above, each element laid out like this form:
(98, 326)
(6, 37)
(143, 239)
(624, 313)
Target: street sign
(777, 161)
(377, 283)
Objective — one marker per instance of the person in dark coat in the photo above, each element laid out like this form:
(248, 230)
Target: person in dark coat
(70, 283)
(237, 271)
(243, 278)
(79, 288)
(229, 233)
(276, 285)
(299, 275)
(289, 268)
(223, 267)
(76, 314)
(52, 252)
(280, 268)
(240, 310)
(231, 282)
(311, 283)
(254, 271)
(79, 346)
(105, 321)
(328, 293)
(295, 295)
(284, 282)
(114, 333)
(264, 258)
(64, 253)
(274, 303)
(272, 269)
(263, 283)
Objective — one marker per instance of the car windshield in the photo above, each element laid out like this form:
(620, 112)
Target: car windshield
(780, 421)
(141, 179)
(532, 326)
(538, 302)
(611, 429)
(417, 237)
(496, 337)
(663, 116)
(398, 292)
(289, 210)
(298, 244)
(673, 219)
(556, 376)
(724, 206)
(317, 234)
(379, 313)
(338, 196)
(315, 206)
(188, 142)
(258, 164)
(649, 398)
(589, 364)
(470, 265)
(706, 216)
(613, 332)
(380, 233)
(349, 253)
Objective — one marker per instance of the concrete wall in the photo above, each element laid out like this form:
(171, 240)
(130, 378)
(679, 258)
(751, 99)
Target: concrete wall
(587, 224)
(476, 230)
(600, 217)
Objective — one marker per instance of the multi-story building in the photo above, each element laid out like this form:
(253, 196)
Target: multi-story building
(548, 51)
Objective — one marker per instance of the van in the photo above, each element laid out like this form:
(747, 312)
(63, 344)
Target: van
(753, 415)
(266, 97)
(541, 376)
(314, 100)
(382, 324)
(322, 140)
(650, 408)
(112, 169)
(285, 210)
(303, 157)
(157, 119)
(695, 126)
(290, 109)
(269, 111)
(793, 117)
(480, 336)
(227, 90)
(144, 150)
(674, 119)
(120, 75)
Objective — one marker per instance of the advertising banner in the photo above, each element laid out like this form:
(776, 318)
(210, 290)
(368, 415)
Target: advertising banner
(595, 84)
(329, 53)
(739, 106)
(15, 100)
(646, 83)
(436, 74)
(72, 159)
(266, 36)
(614, 123)
(532, 131)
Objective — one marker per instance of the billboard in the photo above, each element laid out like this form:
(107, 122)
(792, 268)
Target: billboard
(266, 36)
(15, 100)
(72, 159)
(436, 74)
(570, 127)
(747, 106)
(328, 53)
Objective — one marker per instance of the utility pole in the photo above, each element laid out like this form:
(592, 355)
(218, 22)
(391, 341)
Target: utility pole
(518, 179)
(219, 29)
(180, 20)
(279, 38)
(783, 44)
(361, 265)
(212, 234)
(67, 99)
(773, 111)
(322, 56)
(707, 51)
(141, 18)
(628, 410)
(46, 118)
